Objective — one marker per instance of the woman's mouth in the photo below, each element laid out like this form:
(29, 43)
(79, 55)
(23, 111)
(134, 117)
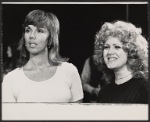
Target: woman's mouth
(32, 45)
(111, 58)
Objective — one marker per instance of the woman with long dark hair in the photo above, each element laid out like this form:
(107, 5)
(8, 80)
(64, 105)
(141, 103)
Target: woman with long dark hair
(43, 75)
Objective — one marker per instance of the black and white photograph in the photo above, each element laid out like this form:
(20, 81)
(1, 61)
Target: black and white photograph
(75, 60)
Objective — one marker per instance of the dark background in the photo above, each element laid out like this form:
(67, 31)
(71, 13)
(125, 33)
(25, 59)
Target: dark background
(78, 25)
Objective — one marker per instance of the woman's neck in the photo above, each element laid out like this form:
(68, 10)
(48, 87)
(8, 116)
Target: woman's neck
(123, 75)
(38, 61)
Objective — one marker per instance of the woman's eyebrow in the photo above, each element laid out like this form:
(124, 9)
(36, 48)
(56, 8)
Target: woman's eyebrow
(27, 27)
(42, 27)
(117, 44)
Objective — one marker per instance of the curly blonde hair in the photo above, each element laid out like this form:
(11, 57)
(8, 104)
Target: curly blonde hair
(133, 43)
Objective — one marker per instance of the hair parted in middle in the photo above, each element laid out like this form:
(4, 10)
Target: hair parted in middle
(41, 18)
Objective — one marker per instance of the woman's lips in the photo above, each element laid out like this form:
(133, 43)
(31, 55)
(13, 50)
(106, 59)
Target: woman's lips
(111, 58)
(32, 44)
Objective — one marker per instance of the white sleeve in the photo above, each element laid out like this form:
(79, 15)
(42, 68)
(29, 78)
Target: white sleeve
(7, 90)
(76, 85)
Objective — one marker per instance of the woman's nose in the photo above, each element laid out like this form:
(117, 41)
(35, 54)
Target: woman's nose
(110, 51)
(32, 35)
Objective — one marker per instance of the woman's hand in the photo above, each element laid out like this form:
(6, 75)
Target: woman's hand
(95, 91)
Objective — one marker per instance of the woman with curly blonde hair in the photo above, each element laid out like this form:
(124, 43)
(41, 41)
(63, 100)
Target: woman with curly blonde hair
(121, 52)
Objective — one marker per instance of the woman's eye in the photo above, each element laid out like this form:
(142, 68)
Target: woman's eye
(27, 30)
(106, 47)
(117, 47)
(40, 31)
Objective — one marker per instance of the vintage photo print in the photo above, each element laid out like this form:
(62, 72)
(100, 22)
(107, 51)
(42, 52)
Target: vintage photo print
(75, 60)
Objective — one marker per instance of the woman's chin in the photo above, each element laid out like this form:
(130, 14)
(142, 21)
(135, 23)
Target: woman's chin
(110, 67)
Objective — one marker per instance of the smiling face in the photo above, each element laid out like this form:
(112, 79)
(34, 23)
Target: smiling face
(114, 55)
(36, 39)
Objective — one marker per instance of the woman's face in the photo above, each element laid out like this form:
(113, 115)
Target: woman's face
(114, 56)
(36, 39)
